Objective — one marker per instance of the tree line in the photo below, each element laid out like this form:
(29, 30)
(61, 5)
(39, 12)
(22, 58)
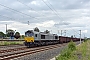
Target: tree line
(12, 33)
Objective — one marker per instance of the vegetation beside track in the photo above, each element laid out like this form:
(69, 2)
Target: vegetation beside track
(82, 52)
(10, 42)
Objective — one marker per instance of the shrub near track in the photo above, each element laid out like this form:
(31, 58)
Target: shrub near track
(66, 53)
(82, 52)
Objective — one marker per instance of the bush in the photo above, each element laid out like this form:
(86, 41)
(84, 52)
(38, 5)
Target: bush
(72, 46)
(85, 40)
(66, 53)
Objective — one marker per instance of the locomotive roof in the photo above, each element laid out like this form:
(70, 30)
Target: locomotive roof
(43, 33)
(35, 32)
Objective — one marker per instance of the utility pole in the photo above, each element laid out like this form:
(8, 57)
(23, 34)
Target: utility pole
(28, 22)
(80, 36)
(6, 30)
(61, 32)
(74, 36)
(65, 33)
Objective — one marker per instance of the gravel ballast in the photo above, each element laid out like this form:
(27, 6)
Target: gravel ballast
(44, 55)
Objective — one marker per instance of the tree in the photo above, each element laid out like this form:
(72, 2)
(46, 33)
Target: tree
(10, 32)
(17, 35)
(36, 29)
(22, 36)
(2, 34)
(71, 36)
(47, 31)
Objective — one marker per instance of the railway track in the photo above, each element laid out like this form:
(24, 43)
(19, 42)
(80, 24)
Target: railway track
(10, 50)
(11, 40)
(11, 47)
(18, 52)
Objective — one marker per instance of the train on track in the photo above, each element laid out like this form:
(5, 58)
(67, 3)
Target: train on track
(33, 38)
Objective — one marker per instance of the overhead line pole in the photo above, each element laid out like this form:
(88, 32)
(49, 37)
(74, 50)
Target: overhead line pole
(6, 30)
(28, 22)
(65, 33)
(61, 32)
(80, 36)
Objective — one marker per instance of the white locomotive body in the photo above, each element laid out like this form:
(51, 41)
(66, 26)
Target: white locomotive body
(33, 38)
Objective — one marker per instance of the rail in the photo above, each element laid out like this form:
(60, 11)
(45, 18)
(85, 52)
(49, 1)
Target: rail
(11, 39)
(13, 54)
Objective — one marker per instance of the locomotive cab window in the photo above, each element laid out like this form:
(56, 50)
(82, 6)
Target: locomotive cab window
(56, 37)
(42, 36)
(29, 34)
(35, 35)
(26, 34)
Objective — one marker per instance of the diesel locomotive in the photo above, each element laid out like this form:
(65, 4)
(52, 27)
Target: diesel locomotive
(33, 38)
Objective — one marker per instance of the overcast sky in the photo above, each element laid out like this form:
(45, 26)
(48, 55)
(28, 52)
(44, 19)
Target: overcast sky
(53, 15)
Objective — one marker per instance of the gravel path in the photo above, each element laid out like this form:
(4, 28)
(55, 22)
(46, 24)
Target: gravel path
(44, 55)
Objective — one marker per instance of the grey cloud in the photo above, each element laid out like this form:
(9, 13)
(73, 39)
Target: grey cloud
(65, 15)
(61, 24)
(70, 4)
(79, 25)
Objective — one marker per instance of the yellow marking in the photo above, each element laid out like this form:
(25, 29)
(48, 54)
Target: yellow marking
(29, 39)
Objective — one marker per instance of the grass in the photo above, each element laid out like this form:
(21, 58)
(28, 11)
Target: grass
(82, 52)
(66, 53)
(10, 42)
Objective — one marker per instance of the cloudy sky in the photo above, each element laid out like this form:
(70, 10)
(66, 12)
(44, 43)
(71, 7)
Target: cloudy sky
(53, 15)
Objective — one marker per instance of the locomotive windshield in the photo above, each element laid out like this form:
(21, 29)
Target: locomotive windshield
(29, 33)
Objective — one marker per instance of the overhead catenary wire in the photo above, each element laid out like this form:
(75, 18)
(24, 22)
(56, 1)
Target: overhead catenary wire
(76, 33)
(22, 12)
(32, 9)
(18, 11)
(56, 13)
(51, 8)
(7, 17)
(11, 18)
(54, 10)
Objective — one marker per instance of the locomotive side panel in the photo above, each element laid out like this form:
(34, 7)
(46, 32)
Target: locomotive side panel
(33, 38)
